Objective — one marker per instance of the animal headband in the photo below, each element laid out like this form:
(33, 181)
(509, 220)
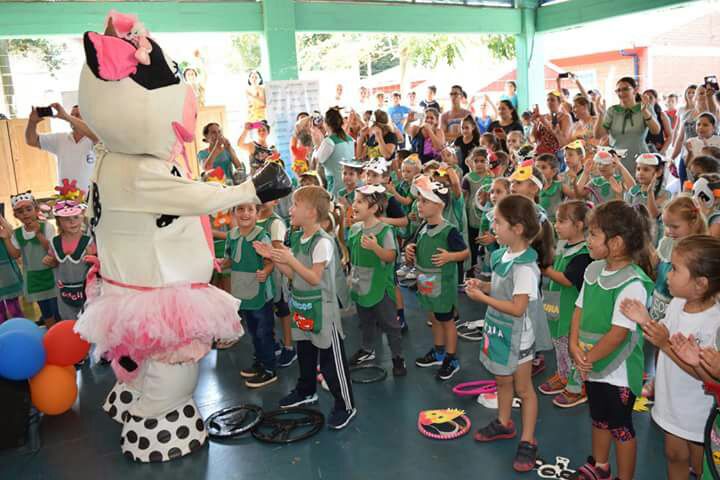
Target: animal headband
(16, 200)
(525, 172)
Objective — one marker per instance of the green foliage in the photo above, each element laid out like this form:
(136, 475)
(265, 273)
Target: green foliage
(246, 52)
(431, 50)
(48, 52)
(502, 47)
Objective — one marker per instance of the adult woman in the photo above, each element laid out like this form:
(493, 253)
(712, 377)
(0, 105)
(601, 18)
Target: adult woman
(661, 141)
(428, 139)
(257, 150)
(219, 153)
(551, 131)
(336, 147)
(627, 123)
(584, 125)
(689, 98)
(255, 96)
(703, 101)
(506, 122)
(378, 139)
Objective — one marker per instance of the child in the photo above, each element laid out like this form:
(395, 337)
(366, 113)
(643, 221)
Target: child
(551, 194)
(372, 255)
(574, 160)
(691, 323)
(67, 256)
(251, 283)
(311, 178)
(11, 280)
(706, 126)
(499, 189)
(566, 278)
(273, 225)
(438, 248)
(702, 164)
(606, 346)
(509, 340)
(309, 263)
(351, 171)
(515, 140)
(706, 191)
(408, 171)
(31, 242)
(604, 183)
(649, 174)
(473, 184)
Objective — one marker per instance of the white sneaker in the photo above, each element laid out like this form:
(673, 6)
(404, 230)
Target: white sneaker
(412, 274)
(402, 271)
(489, 400)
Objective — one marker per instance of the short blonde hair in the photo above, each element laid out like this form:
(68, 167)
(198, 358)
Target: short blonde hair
(317, 197)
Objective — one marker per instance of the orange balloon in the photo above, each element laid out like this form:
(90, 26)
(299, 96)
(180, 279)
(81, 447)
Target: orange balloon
(53, 390)
(63, 346)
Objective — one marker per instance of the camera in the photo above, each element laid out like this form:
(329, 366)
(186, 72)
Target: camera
(565, 75)
(711, 82)
(44, 111)
(317, 119)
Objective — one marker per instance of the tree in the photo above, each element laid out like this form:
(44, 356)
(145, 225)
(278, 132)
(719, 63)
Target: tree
(247, 55)
(502, 47)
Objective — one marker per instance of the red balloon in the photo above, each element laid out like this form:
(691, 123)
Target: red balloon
(63, 346)
(53, 390)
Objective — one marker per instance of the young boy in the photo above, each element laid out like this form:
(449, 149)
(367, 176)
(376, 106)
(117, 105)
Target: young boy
(478, 178)
(438, 249)
(32, 241)
(251, 283)
(352, 170)
(273, 225)
(372, 255)
(310, 264)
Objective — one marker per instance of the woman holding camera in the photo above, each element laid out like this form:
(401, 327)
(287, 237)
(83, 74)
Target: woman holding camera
(258, 150)
(428, 139)
(219, 153)
(377, 140)
(551, 131)
(336, 147)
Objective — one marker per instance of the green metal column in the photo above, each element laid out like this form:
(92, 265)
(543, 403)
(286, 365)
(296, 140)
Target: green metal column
(530, 59)
(279, 49)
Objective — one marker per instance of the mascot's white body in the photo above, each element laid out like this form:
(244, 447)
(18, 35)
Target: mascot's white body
(153, 313)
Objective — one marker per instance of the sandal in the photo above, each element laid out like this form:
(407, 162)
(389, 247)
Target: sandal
(590, 471)
(495, 431)
(525, 457)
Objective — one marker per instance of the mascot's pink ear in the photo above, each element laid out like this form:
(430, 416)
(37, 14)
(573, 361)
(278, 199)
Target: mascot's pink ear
(120, 23)
(115, 57)
(181, 133)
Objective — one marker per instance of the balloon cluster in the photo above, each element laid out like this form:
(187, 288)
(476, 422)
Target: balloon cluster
(46, 360)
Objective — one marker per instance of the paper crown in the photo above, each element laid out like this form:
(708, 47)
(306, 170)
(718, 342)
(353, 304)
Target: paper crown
(603, 157)
(69, 190)
(371, 189)
(68, 208)
(704, 191)
(525, 172)
(652, 159)
(16, 200)
(378, 165)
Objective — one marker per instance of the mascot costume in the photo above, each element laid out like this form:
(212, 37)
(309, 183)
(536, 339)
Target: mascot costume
(150, 309)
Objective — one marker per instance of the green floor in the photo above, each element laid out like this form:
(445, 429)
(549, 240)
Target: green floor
(381, 443)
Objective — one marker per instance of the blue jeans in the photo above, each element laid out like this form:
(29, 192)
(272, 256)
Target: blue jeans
(49, 309)
(260, 324)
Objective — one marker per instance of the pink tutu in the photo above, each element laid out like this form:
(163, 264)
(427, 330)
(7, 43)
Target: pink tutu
(173, 323)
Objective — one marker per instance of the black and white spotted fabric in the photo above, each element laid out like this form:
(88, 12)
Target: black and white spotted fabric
(119, 401)
(175, 434)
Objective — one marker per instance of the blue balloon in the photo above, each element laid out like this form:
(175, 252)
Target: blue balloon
(18, 324)
(22, 355)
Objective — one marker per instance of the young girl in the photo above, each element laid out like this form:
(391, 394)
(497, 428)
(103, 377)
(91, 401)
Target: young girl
(606, 182)
(439, 247)
(551, 194)
(473, 184)
(509, 336)
(574, 160)
(467, 142)
(372, 256)
(605, 345)
(706, 128)
(566, 279)
(67, 256)
(351, 171)
(11, 280)
(649, 191)
(499, 189)
(691, 323)
(31, 242)
(706, 191)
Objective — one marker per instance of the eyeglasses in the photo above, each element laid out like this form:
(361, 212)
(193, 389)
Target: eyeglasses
(623, 89)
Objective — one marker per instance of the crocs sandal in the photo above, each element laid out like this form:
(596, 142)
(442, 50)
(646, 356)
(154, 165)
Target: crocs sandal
(495, 431)
(525, 457)
(590, 471)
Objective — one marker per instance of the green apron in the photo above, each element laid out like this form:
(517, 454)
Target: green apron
(558, 300)
(599, 296)
(371, 278)
(246, 262)
(70, 277)
(11, 280)
(601, 189)
(280, 282)
(661, 294)
(39, 279)
(551, 198)
(476, 182)
(436, 286)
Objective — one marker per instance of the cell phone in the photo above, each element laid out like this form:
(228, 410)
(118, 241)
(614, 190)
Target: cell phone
(2, 209)
(554, 119)
(711, 81)
(564, 75)
(498, 131)
(256, 125)
(44, 111)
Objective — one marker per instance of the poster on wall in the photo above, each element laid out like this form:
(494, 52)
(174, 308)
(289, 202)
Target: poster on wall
(284, 100)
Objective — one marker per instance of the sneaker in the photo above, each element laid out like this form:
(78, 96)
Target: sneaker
(431, 359)
(339, 419)
(403, 271)
(266, 377)
(590, 471)
(294, 399)
(399, 368)
(287, 357)
(412, 274)
(538, 366)
(362, 356)
(277, 348)
(449, 368)
(569, 400)
(488, 400)
(553, 385)
(250, 372)
(495, 431)
(472, 331)
(525, 457)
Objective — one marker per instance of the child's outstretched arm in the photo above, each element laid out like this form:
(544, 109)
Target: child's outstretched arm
(515, 307)
(557, 277)
(6, 232)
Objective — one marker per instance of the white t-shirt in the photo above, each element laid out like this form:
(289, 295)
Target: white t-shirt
(697, 143)
(278, 230)
(49, 233)
(635, 291)
(75, 161)
(323, 251)
(681, 405)
(525, 282)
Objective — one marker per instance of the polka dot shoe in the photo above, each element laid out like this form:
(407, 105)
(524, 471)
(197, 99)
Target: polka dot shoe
(173, 435)
(119, 400)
